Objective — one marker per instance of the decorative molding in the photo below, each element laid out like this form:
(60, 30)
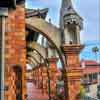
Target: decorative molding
(72, 49)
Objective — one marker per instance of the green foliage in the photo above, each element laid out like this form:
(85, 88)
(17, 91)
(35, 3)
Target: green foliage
(95, 49)
(82, 92)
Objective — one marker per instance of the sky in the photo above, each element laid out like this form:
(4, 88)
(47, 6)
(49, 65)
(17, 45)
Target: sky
(88, 10)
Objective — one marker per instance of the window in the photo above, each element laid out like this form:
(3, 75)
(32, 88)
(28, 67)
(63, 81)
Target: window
(95, 76)
(87, 88)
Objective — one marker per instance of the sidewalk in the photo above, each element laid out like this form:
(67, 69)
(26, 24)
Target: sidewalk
(34, 93)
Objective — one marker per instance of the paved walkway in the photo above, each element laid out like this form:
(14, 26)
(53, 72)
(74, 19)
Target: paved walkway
(34, 93)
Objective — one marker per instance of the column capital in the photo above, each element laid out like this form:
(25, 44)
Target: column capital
(72, 49)
(74, 73)
(52, 64)
(52, 59)
(42, 64)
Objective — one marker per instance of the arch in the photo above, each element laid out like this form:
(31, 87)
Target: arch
(33, 61)
(47, 66)
(18, 81)
(45, 28)
(38, 47)
(30, 62)
(35, 57)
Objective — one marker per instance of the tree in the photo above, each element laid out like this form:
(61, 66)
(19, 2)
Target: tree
(95, 50)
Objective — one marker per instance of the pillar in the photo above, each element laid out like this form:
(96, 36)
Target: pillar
(40, 77)
(34, 76)
(3, 15)
(16, 45)
(45, 79)
(33, 71)
(53, 74)
(37, 77)
(73, 69)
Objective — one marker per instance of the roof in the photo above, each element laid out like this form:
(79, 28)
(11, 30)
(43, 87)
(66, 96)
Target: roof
(39, 13)
(35, 13)
(89, 70)
(90, 62)
(90, 66)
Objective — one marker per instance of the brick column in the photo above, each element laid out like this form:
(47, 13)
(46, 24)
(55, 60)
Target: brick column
(53, 74)
(45, 79)
(37, 77)
(34, 76)
(15, 47)
(40, 77)
(33, 71)
(73, 69)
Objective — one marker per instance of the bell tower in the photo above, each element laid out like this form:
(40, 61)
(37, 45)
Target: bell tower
(70, 22)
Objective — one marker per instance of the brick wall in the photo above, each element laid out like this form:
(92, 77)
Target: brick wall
(15, 50)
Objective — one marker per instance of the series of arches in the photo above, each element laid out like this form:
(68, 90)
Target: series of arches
(40, 26)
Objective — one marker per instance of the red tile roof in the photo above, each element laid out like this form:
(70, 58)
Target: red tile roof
(90, 66)
(89, 62)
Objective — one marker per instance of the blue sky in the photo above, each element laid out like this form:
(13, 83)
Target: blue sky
(88, 9)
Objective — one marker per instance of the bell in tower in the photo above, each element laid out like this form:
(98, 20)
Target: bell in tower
(70, 22)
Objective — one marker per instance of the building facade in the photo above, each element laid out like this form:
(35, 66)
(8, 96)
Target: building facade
(91, 77)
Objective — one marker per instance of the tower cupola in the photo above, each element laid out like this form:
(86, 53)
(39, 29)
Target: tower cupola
(70, 22)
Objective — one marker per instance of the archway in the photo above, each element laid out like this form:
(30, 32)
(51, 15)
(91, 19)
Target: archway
(46, 65)
(18, 81)
(50, 38)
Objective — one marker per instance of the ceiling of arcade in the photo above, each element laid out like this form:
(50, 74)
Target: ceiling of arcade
(46, 28)
(37, 52)
(49, 45)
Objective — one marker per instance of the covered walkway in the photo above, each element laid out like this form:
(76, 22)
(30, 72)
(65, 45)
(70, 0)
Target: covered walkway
(34, 93)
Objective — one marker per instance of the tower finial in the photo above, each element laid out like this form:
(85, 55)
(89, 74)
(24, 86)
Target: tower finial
(66, 3)
(70, 22)
(67, 11)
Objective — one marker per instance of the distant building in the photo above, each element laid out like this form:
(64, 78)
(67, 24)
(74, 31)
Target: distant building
(91, 76)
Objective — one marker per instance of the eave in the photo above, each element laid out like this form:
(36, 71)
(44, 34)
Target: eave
(38, 13)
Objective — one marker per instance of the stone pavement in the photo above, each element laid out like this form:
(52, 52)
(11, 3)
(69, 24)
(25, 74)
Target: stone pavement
(34, 93)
